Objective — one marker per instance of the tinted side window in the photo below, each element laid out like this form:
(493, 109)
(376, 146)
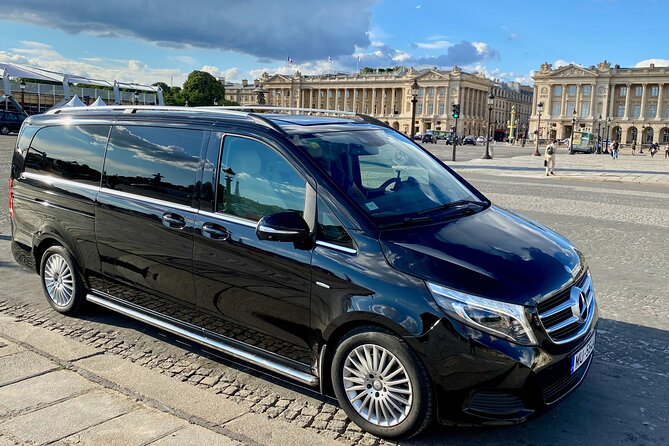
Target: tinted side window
(330, 228)
(154, 162)
(255, 181)
(69, 152)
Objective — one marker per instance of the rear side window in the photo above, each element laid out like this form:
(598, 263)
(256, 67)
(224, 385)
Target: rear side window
(69, 152)
(154, 162)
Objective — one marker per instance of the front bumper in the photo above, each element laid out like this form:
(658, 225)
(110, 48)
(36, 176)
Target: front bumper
(484, 379)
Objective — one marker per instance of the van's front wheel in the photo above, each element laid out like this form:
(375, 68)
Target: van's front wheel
(61, 281)
(381, 384)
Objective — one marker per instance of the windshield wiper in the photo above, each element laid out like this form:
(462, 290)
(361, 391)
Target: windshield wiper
(453, 204)
(407, 221)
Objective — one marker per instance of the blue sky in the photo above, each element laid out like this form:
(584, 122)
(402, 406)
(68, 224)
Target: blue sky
(152, 40)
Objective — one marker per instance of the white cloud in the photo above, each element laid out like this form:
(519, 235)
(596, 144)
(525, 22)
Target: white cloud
(437, 44)
(656, 62)
(563, 63)
(496, 73)
(231, 74)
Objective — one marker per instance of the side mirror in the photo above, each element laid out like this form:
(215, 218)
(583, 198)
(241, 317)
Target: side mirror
(282, 227)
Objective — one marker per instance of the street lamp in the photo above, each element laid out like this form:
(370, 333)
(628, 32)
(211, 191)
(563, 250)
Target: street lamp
(414, 96)
(491, 101)
(608, 124)
(260, 94)
(186, 103)
(540, 108)
(599, 134)
(574, 118)
(215, 102)
(22, 86)
(136, 98)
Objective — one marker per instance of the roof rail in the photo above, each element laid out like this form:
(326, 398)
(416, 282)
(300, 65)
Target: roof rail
(365, 118)
(134, 108)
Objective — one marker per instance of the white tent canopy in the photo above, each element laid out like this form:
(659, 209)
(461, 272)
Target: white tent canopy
(98, 103)
(74, 102)
(8, 70)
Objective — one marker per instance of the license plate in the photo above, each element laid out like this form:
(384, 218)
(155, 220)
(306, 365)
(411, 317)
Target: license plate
(583, 354)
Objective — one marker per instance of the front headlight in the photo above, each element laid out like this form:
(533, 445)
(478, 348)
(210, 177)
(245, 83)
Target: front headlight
(497, 318)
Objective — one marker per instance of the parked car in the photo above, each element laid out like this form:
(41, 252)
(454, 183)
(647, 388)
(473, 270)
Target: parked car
(329, 250)
(469, 140)
(480, 140)
(418, 136)
(10, 121)
(429, 137)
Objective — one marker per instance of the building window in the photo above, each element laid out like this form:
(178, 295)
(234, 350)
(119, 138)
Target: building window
(586, 90)
(441, 108)
(585, 110)
(620, 112)
(421, 92)
(419, 108)
(571, 90)
(638, 91)
(666, 112)
(654, 91)
(570, 108)
(430, 109)
(430, 91)
(556, 109)
(651, 111)
(557, 90)
(442, 91)
(636, 110)
(623, 91)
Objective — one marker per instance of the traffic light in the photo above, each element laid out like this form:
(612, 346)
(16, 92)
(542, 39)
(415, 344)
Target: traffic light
(456, 111)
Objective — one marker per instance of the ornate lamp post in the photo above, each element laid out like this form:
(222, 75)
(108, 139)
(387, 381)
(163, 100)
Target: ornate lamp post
(608, 124)
(22, 86)
(414, 96)
(599, 136)
(260, 94)
(540, 108)
(135, 97)
(491, 101)
(574, 118)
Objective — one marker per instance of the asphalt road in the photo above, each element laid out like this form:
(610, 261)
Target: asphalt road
(466, 153)
(621, 228)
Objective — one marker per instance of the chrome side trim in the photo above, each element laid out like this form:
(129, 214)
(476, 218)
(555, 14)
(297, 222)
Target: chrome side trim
(304, 378)
(54, 180)
(271, 230)
(336, 247)
(324, 285)
(229, 218)
(149, 200)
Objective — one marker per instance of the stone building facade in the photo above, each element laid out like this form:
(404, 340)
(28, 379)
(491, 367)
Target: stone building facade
(387, 96)
(633, 102)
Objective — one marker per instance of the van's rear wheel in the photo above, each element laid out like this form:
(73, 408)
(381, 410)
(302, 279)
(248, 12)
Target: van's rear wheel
(381, 384)
(4, 130)
(61, 281)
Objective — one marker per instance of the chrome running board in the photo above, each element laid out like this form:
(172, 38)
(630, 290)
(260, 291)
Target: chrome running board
(255, 359)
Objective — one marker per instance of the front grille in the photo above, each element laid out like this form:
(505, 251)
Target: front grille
(495, 403)
(567, 315)
(557, 389)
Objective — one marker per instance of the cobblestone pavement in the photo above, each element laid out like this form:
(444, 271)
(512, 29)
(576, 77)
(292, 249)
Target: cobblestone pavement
(621, 228)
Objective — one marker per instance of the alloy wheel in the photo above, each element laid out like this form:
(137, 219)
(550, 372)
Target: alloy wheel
(59, 280)
(377, 385)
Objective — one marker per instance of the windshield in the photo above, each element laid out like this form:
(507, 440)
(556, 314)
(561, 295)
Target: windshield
(390, 178)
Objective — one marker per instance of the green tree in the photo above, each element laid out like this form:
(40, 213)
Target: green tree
(171, 95)
(201, 88)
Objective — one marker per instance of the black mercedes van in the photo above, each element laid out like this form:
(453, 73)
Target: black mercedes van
(329, 249)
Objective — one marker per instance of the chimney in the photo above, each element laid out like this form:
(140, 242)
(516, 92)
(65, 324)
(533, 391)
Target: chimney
(244, 82)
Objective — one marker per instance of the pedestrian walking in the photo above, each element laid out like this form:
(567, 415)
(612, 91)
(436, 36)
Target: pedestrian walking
(549, 160)
(666, 151)
(653, 149)
(633, 147)
(614, 149)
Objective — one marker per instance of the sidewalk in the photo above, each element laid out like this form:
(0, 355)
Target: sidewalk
(626, 169)
(57, 390)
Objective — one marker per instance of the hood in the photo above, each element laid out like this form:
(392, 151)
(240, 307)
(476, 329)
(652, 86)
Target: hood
(494, 253)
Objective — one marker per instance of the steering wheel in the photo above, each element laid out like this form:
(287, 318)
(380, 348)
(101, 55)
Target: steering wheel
(388, 182)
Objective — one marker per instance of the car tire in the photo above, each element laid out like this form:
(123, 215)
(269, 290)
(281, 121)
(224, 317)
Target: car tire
(61, 281)
(399, 412)
(4, 130)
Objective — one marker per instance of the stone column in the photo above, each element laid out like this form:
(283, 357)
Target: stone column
(593, 102)
(392, 101)
(642, 113)
(372, 110)
(327, 99)
(548, 105)
(577, 100)
(628, 95)
(612, 100)
(563, 105)
(660, 96)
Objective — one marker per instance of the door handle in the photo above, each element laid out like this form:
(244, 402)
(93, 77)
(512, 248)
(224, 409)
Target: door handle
(215, 232)
(173, 221)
